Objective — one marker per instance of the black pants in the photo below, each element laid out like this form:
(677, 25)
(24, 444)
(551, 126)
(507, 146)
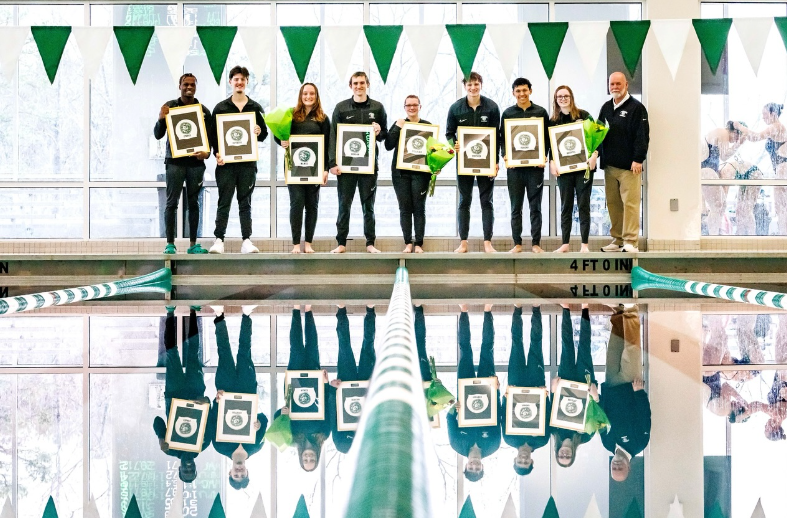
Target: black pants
(486, 363)
(176, 176)
(576, 364)
(303, 197)
(530, 179)
(346, 368)
(420, 341)
(229, 179)
(191, 384)
(486, 187)
(571, 184)
(411, 190)
(232, 376)
(303, 356)
(528, 373)
(367, 189)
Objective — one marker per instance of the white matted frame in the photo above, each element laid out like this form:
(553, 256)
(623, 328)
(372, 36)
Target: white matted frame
(308, 160)
(236, 417)
(524, 142)
(526, 411)
(350, 397)
(186, 130)
(186, 425)
(308, 393)
(477, 151)
(569, 405)
(479, 402)
(355, 148)
(236, 137)
(411, 154)
(569, 150)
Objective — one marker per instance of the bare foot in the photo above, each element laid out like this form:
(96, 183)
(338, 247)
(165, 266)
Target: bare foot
(296, 249)
(408, 248)
(463, 308)
(339, 249)
(537, 249)
(584, 249)
(297, 306)
(563, 249)
(564, 306)
(307, 247)
(487, 307)
(372, 250)
(488, 248)
(340, 306)
(370, 306)
(585, 306)
(462, 248)
(307, 308)
(516, 250)
(418, 250)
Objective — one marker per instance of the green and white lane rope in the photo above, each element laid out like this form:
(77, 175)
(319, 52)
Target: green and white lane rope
(159, 281)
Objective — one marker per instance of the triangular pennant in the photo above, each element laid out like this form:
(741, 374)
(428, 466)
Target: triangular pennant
(341, 41)
(217, 42)
(630, 37)
(425, 42)
(590, 38)
(259, 42)
(712, 33)
(507, 40)
(12, 39)
(300, 510)
(671, 36)
(716, 511)
(217, 510)
(509, 511)
(383, 40)
(466, 39)
(548, 37)
(633, 510)
(176, 504)
(133, 43)
(51, 42)
(300, 43)
(593, 511)
(467, 509)
(259, 508)
(92, 43)
(758, 512)
(675, 509)
(175, 43)
(133, 509)
(50, 511)
(91, 509)
(551, 509)
(8, 509)
(781, 24)
(754, 33)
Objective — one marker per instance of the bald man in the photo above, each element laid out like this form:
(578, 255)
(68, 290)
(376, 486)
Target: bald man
(622, 153)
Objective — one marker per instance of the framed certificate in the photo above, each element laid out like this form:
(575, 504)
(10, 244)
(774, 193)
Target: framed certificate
(355, 148)
(308, 159)
(434, 421)
(568, 147)
(186, 130)
(524, 140)
(526, 411)
(479, 402)
(569, 405)
(308, 392)
(477, 151)
(186, 425)
(350, 396)
(236, 417)
(412, 146)
(237, 141)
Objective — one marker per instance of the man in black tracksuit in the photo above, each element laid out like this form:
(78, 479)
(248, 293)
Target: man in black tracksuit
(521, 179)
(359, 109)
(474, 110)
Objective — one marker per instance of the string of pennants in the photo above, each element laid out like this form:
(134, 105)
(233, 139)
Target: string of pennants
(383, 41)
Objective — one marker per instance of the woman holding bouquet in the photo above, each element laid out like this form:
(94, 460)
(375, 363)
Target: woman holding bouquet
(308, 118)
(579, 183)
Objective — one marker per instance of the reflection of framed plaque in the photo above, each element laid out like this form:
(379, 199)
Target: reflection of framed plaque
(236, 417)
(434, 421)
(308, 159)
(186, 425)
(355, 148)
(479, 402)
(237, 141)
(412, 146)
(568, 147)
(525, 411)
(569, 405)
(477, 151)
(186, 130)
(308, 392)
(524, 139)
(350, 396)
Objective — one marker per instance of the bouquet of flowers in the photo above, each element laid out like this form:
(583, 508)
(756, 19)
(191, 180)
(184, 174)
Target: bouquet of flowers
(595, 417)
(279, 433)
(279, 121)
(438, 155)
(437, 396)
(594, 135)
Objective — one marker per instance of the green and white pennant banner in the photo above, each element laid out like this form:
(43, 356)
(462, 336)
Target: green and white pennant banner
(175, 43)
(466, 39)
(133, 43)
(630, 37)
(507, 40)
(51, 42)
(92, 43)
(341, 41)
(425, 42)
(671, 35)
(300, 43)
(383, 40)
(753, 33)
(548, 38)
(12, 39)
(590, 39)
(712, 33)
(259, 42)
(217, 42)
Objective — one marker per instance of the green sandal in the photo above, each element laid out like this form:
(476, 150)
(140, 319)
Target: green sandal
(196, 249)
(170, 249)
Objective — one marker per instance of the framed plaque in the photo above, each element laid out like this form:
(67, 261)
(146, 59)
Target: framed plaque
(186, 130)
(308, 392)
(186, 425)
(350, 396)
(526, 411)
(236, 417)
(237, 141)
(568, 147)
(412, 146)
(434, 421)
(524, 140)
(479, 402)
(569, 405)
(477, 151)
(355, 148)
(308, 160)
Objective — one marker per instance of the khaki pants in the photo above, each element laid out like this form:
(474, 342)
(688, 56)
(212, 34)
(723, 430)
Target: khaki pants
(623, 189)
(624, 352)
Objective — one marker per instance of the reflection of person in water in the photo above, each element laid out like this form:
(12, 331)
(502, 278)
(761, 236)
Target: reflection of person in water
(715, 349)
(179, 385)
(347, 369)
(528, 373)
(777, 408)
(716, 148)
(420, 342)
(477, 442)
(241, 378)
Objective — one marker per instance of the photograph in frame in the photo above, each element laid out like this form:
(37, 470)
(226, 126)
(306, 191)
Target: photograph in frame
(308, 160)
(186, 131)
(236, 417)
(237, 141)
(434, 421)
(186, 425)
(524, 141)
(569, 405)
(526, 411)
(412, 146)
(477, 151)
(479, 402)
(350, 397)
(355, 148)
(569, 150)
(308, 392)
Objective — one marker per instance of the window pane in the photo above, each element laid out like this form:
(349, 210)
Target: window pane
(33, 213)
(41, 341)
(745, 210)
(127, 341)
(127, 212)
(260, 213)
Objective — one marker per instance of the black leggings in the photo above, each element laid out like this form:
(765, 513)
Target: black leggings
(303, 197)
(571, 184)
(411, 190)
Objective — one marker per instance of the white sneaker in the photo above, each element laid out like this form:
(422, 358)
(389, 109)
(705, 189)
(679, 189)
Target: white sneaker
(612, 247)
(218, 247)
(219, 310)
(248, 247)
(247, 310)
(628, 247)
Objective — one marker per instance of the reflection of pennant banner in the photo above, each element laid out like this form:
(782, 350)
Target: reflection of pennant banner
(630, 37)
(466, 39)
(51, 41)
(217, 510)
(590, 38)
(175, 44)
(593, 511)
(754, 33)
(8, 510)
(548, 38)
(424, 41)
(675, 509)
(12, 39)
(258, 42)
(633, 510)
(507, 40)
(341, 41)
(509, 511)
(467, 509)
(300, 44)
(712, 34)
(176, 505)
(259, 508)
(92, 43)
(758, 512)
(551, 509)
(50, 511)
(383, 40)
(671, 35)
(217, 42)
(133, 43)
(300, 510)
(91, 510)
